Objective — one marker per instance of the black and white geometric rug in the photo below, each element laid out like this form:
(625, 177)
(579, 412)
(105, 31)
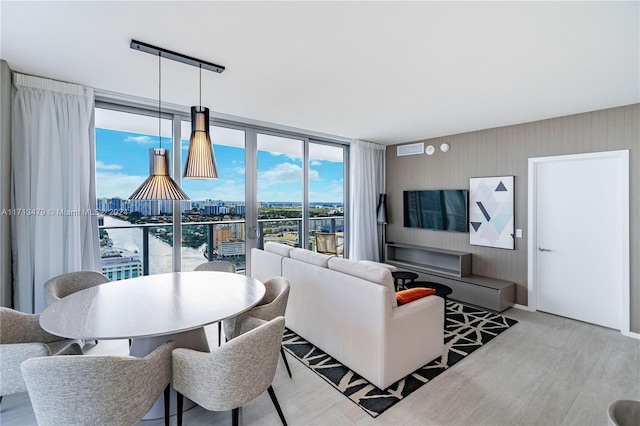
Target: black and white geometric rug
(467, 329)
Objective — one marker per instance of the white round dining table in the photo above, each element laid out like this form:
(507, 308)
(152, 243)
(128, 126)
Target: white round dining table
(153, 309)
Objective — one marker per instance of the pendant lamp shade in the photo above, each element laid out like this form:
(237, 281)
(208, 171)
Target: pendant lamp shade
(159, 185)
(201, 161)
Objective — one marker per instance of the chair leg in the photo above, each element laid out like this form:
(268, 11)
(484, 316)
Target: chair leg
(284, 358)
(235, 414)
(180, 406)
(167, 404)
(272, 394)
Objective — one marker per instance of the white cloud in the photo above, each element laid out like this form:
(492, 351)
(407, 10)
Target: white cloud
(291, 157)
(143, 140)
(100, 165)
(281, 173)
(117, 184)
(316, 163)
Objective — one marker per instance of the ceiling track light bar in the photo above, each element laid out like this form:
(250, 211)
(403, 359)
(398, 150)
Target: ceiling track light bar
(144, 47)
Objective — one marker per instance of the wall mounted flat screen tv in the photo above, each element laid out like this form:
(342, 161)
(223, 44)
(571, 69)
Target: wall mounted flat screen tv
(444, 210)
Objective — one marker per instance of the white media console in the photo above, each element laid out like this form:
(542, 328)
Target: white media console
(453, 269)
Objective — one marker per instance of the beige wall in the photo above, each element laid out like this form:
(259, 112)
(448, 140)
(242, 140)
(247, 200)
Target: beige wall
(5, 184)
(505, 151)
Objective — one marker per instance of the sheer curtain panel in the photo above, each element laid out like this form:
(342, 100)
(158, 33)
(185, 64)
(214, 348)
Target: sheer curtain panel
(54, 228)
(367, 179)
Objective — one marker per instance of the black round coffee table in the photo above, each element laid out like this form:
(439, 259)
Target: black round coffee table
(400, 279)
(441, 290)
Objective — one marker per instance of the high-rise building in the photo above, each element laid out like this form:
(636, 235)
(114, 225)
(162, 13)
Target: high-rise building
(144, 207)
(223, 233)
(165, 206)
(116, 203)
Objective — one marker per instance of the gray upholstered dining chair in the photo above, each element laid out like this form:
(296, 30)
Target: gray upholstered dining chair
(234, 374)
(63, 285)
(21, 338)
(98, 390)
(216, 265)
(272, 305)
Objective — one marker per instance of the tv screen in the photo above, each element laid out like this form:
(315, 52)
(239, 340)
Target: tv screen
(444, 210)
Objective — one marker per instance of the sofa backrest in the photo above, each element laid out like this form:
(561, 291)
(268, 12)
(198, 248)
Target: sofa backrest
(311, 257)
(277, 248)
(355, 311)
(366, 271)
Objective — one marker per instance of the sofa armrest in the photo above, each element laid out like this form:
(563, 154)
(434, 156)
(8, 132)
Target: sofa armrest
(407, 311)
(265, 265)
(414, 336)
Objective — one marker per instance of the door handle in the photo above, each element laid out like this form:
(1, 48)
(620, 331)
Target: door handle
(543, 249)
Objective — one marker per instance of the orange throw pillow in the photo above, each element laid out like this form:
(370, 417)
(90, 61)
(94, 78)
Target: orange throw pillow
(406, 296)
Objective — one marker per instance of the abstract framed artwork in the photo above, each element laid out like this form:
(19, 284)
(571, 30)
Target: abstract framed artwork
(491, 212)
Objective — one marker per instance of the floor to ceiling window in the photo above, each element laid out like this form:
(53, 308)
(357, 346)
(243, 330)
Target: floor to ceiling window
(326, 198)
(135, 236)
(213, 221)
(280, 189)
(272, 186)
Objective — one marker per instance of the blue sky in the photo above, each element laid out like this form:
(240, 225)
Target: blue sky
(122, 165)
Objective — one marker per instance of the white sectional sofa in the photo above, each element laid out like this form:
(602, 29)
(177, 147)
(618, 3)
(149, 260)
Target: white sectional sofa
(349, 310)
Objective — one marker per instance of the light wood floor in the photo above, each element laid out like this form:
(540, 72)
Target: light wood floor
(546, 370)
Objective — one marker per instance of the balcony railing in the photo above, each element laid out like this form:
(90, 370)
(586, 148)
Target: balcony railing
(231, 238)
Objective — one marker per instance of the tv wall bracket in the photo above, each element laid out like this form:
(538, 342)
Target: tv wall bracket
(174, 56)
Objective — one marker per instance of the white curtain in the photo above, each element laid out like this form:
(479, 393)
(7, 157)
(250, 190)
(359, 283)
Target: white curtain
(54, 227)
(367, 180)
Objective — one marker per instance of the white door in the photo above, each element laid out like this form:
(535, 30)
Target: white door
(581, 236)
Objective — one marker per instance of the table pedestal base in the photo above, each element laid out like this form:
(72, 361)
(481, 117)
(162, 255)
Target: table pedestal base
(194, 339)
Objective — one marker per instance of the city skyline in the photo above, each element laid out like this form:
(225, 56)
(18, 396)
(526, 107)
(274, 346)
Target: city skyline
(122, 165)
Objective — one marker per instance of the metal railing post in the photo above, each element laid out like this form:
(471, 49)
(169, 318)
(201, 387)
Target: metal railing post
(300, 236)
(210, 242)
(145, 250)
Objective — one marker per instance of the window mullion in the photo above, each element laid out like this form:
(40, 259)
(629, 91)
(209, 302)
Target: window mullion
(177, 204)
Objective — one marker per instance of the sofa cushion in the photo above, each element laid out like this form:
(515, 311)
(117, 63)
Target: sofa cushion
(311, 257)
(277, 248)
(366, 271)
(405, 296)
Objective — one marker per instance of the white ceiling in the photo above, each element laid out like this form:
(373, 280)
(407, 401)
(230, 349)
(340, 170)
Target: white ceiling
(386, 72)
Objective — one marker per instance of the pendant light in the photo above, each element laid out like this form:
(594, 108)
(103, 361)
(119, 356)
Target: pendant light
(159, 185)
(201, 161)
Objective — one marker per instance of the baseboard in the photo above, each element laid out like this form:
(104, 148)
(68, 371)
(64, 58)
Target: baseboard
(523, 307)
(624, 333)
(631, 334)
